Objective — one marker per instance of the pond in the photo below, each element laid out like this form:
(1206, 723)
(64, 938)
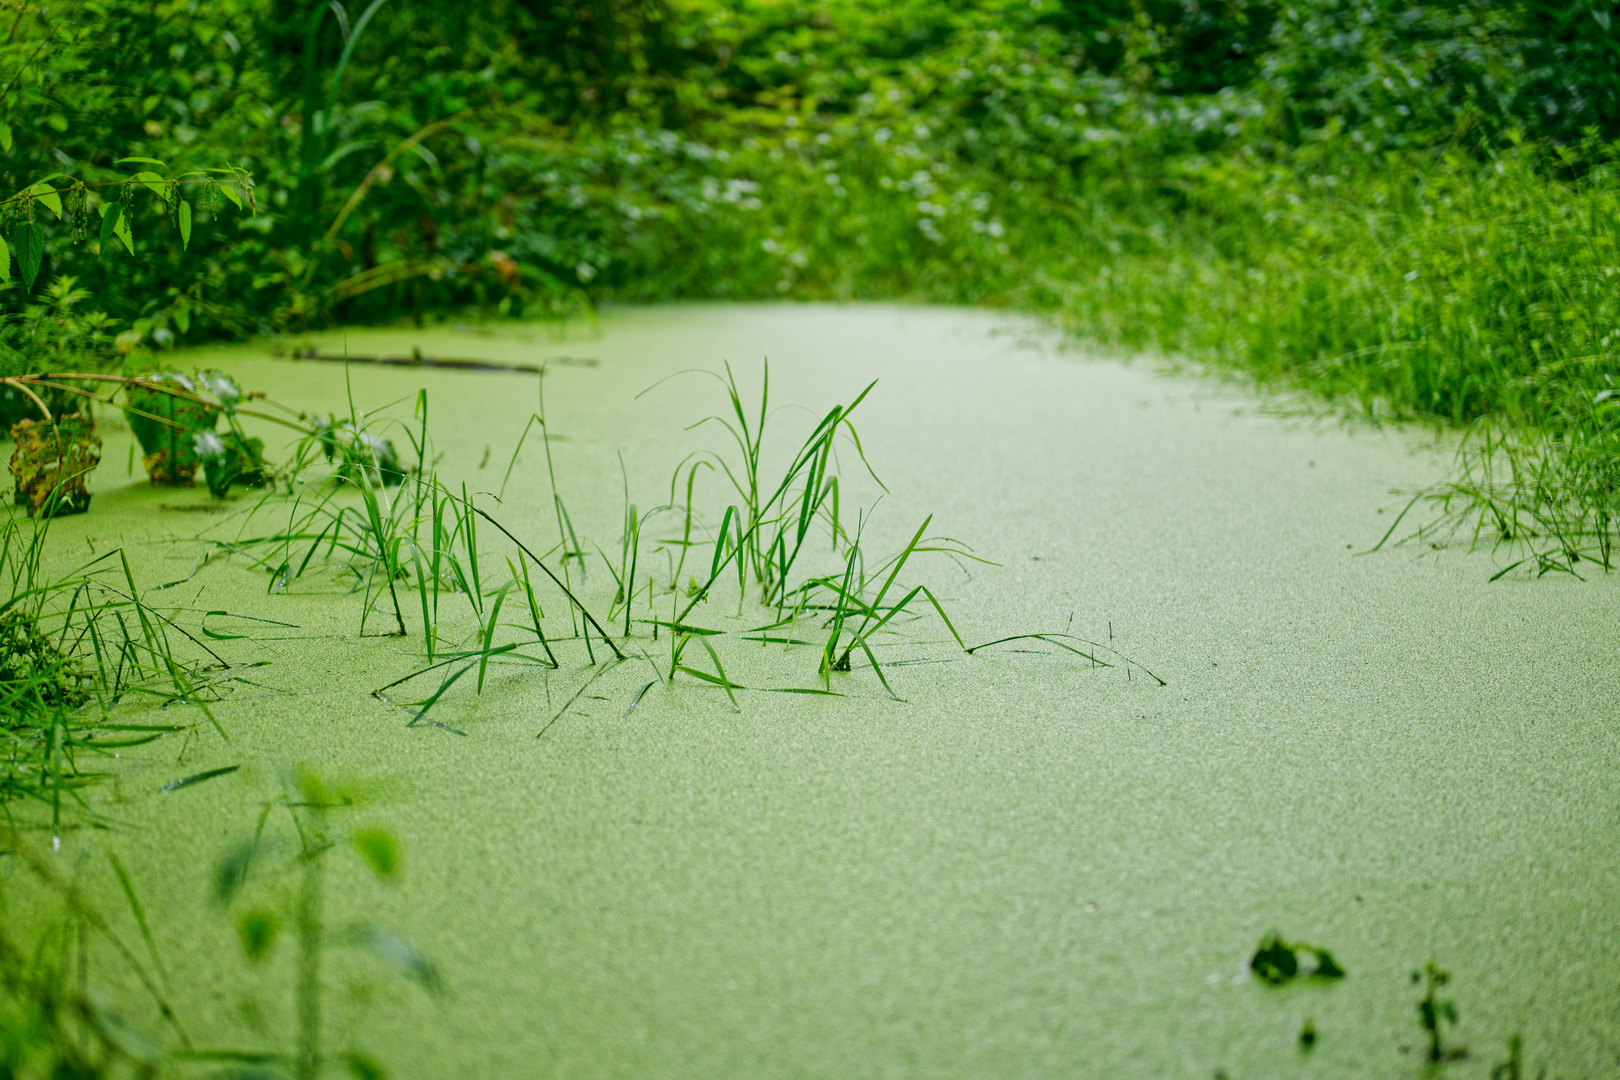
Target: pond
(1020, 862)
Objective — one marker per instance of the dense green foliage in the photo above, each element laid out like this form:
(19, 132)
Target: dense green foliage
(1409, 207)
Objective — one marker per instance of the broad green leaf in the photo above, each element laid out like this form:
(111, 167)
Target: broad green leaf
(5, 262)
(30, 241)
(5, 136)
(141, 161)
(230, 192)
(114, 222)
(110, 213)
(47, 197)
(149, 180)
(380, 850)
(185, 225)
(258, 930)
(121, 230)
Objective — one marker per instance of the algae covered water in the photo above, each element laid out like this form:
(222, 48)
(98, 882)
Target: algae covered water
(1017, 864)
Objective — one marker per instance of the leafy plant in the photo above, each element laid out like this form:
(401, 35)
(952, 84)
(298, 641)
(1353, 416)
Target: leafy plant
(51, 462)
(311, 805)
(71, 647)
(169, 421)
(80, 205)
(1276, 961)
(1435, 1013)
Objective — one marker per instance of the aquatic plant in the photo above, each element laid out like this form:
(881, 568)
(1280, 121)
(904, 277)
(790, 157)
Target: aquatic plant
(426, 540)
(1435, 1013)
(763, 537)
(168, 425)
(310, 803)
(50, 464)
(1276, 961)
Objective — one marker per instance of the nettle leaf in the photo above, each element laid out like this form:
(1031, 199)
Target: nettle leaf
(5, 262)
(5, 136)
(121, 230)
(151, 181)
(185, 225)
(47, 197)
(110, 213)
(30, 241)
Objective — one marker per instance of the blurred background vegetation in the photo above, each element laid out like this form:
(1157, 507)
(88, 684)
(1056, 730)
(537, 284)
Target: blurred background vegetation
(1408, 209)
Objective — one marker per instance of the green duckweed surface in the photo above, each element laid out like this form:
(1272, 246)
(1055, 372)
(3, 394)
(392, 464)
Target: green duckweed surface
(1029, 866)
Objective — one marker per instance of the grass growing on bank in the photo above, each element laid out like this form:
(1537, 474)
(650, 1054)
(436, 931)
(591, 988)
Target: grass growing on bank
(72, 647)
(1484, 296)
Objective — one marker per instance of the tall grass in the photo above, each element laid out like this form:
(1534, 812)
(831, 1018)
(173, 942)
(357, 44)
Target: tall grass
(72, 647)
(1485, 296)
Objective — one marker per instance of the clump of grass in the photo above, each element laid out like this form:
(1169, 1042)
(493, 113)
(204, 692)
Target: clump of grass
(352, 506)
(773, 518)
(71, 648)
(1524, 490)
(763, 536)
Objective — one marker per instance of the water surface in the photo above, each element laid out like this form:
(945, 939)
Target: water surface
(1028, 867)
